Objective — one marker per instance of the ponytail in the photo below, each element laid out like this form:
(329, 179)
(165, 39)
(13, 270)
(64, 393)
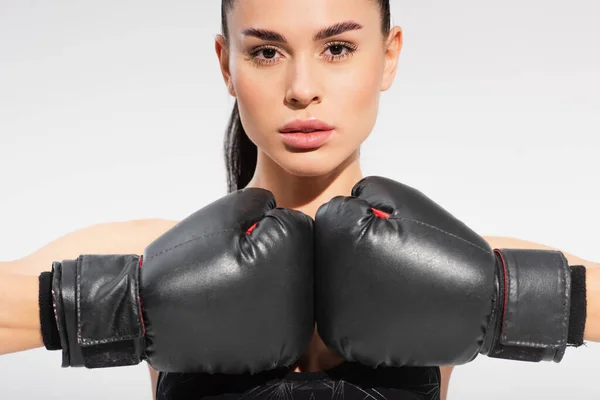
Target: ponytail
(240, 153)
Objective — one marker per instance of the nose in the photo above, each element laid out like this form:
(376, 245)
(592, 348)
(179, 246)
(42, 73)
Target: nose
(303, 88)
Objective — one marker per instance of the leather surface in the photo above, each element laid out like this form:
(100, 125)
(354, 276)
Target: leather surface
(535, 321)
(416, 288)
(216, 299)
(215, 296)
(536, 278)
(401, 281)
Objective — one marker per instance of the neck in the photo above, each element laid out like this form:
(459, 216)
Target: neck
(305, 193)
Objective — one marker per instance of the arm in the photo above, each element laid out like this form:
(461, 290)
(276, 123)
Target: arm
(19, 311)
(19, 316)
(109, 238)
(19, 279)
(28, 339)
(592, 326)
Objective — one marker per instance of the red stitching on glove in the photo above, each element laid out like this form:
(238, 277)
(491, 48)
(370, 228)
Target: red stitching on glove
(249, 231)
(380, 213)
(140, 300)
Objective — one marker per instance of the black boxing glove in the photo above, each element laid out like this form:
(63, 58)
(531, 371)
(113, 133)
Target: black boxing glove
(227, 290)
(400, 281)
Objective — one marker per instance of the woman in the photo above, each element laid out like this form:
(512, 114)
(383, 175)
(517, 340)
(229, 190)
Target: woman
(289, 77)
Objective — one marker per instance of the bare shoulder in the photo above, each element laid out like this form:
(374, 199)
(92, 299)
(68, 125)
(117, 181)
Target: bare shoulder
(126, 232)
(122, 237)
(136, 233)
(118, 237)
(150, 225)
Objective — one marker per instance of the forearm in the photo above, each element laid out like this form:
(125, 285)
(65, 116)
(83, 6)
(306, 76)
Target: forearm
(19, 313)
(15, 340)
(592, 325)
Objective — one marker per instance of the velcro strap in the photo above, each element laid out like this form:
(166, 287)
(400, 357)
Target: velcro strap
(102, 311)
(535, 318)
(110, 326)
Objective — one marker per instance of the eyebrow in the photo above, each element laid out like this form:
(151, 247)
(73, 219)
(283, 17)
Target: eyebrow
(323, 33)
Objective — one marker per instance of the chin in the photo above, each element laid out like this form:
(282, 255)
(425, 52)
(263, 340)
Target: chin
(311, 164)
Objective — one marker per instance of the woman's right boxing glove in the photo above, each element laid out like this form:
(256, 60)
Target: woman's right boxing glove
(227, 290)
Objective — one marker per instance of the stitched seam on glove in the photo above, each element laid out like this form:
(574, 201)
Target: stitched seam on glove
(186, 242)
(441, 230)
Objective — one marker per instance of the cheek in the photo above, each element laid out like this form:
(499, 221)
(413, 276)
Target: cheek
(362, 80)
(258, 98)
(259, 103)
(357, 98)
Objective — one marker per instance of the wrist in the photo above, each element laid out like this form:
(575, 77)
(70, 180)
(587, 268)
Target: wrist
(18, 299)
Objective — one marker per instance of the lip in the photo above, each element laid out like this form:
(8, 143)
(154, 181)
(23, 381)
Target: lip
(305, 126)
(306, 134)
(306, 141)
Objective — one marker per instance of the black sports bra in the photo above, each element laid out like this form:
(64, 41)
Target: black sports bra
(346, 381)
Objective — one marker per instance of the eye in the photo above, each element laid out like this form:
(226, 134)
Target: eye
(334, 51)
(339, 50)
(269, 53)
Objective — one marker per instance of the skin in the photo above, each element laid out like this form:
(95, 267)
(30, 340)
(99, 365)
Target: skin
(300, 79)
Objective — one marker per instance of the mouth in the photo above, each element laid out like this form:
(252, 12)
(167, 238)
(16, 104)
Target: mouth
(306, 134)
(305, 126)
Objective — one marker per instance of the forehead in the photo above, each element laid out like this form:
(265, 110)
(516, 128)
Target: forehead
(301, 15)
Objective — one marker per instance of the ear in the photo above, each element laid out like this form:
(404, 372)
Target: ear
(222, 50)
(393, 46)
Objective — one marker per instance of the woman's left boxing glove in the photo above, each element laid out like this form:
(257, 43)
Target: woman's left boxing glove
(401, 281)
(227, 290)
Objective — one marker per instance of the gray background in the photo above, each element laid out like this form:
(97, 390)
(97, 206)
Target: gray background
(115, 110)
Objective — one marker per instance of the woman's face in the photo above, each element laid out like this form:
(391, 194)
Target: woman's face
(291, 73)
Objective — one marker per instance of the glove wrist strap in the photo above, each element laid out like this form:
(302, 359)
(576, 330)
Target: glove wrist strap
(98, 312)
(534, 305)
